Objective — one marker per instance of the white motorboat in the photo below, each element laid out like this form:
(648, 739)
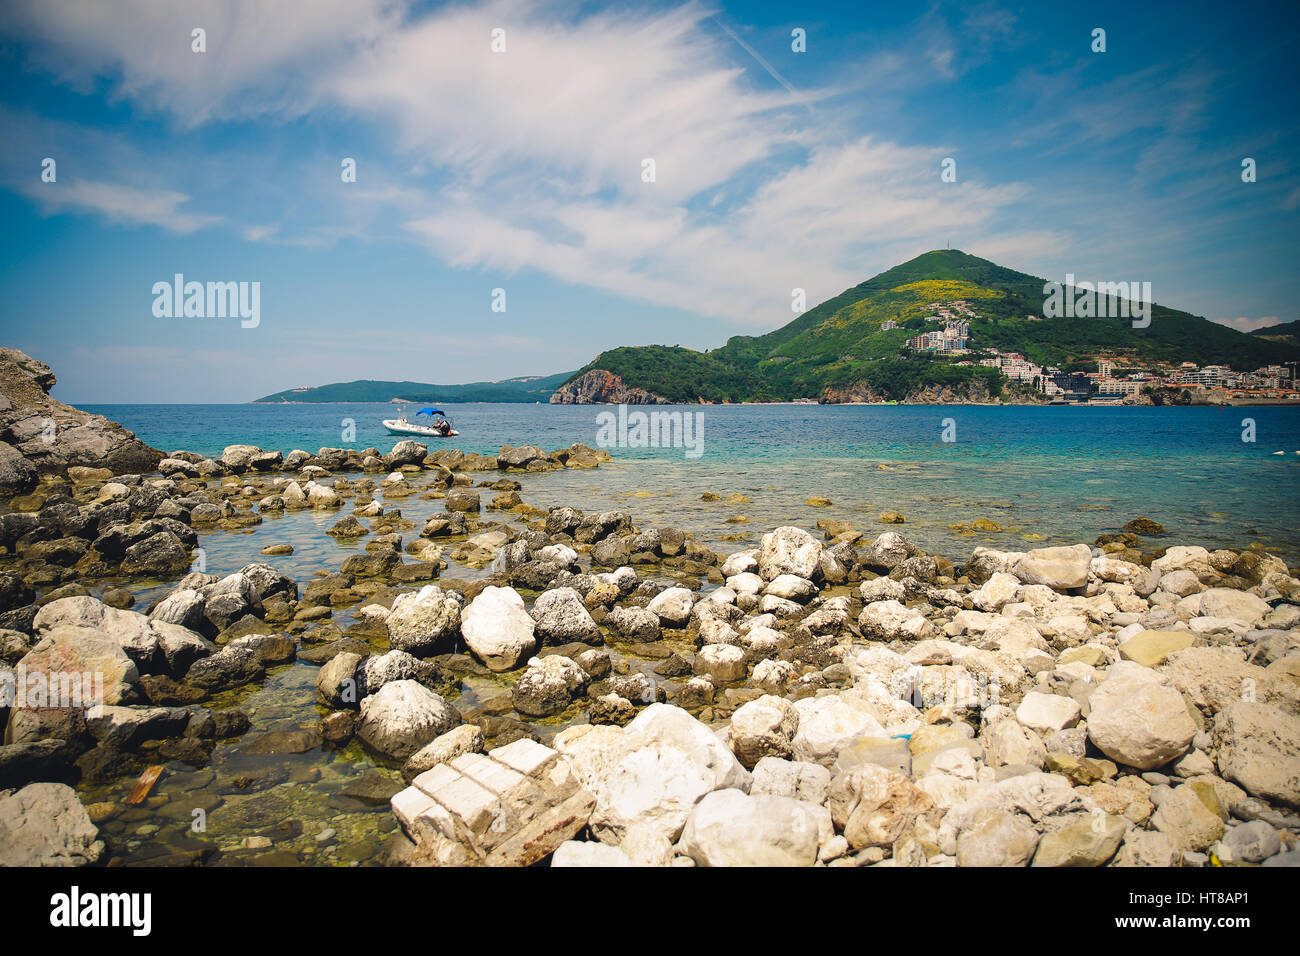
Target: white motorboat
(439, 425)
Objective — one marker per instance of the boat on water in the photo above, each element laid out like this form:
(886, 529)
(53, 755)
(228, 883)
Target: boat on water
(439, 425)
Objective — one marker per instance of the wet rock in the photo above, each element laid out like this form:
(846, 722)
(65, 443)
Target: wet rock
(611, 709)
(336, 682)
(347, 527)
(548, 686)
(337, 728)
(464, 500)
(283, 742)
(423, 621)
(560, 617)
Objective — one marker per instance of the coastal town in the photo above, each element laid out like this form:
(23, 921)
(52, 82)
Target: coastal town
(1115, 379)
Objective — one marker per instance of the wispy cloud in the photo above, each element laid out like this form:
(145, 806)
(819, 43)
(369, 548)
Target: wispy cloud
(119, 203)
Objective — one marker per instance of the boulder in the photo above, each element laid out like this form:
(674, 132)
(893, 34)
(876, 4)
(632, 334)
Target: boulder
(1138, 718)
(996, 838)
(1047, 713)
(722, 663)
(584, 853)
(874, 806)
(561, 617)
(1258, 748)
(732, 828)
(1061, 569)
(44, 824)
(336, 681)
(404, 716)
(1091, 841)
(672, 606)
(893, 621)
(763, 728)
(420, 622)
(1184, 816)
(66, 651)
(828, 724)
(789, 550)
(1149, 648)
(651, 772)
(78, 439)
(548, 686)
(498, 629)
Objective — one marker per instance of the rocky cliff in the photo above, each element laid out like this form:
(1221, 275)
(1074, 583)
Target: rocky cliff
(599, 387)
(974, 394)
(40, 435)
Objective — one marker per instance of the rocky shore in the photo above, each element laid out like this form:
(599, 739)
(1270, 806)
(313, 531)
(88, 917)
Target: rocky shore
(612, 694)
(40, 435)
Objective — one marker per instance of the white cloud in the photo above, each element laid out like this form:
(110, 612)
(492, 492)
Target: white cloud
(821, 226)
(261, 57)
(532, 158)
(1244, 324)
(120, 203)
(582, 102)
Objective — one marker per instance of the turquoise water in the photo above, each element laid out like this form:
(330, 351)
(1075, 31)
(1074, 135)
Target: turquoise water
(1046, 474)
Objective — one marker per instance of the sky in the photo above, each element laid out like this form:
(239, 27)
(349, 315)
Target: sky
(503, 145)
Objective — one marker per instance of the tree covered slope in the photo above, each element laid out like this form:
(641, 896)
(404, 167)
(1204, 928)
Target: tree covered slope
(840, 343)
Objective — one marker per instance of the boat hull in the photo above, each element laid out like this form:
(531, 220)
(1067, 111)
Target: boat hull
(398, 428)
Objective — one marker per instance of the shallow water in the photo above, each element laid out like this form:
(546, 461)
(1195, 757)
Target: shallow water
(1046, 474)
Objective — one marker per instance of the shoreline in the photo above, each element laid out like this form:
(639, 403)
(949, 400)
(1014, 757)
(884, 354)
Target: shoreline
(608, 633)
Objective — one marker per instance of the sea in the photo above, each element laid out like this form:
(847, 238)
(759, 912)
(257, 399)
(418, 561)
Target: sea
(1045, 474)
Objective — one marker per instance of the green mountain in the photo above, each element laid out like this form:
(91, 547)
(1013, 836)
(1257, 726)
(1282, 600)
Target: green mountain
(1288, 332)
(840, 344)
(526, 389)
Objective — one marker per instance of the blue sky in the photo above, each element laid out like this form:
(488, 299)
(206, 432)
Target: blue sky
(522, 170)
